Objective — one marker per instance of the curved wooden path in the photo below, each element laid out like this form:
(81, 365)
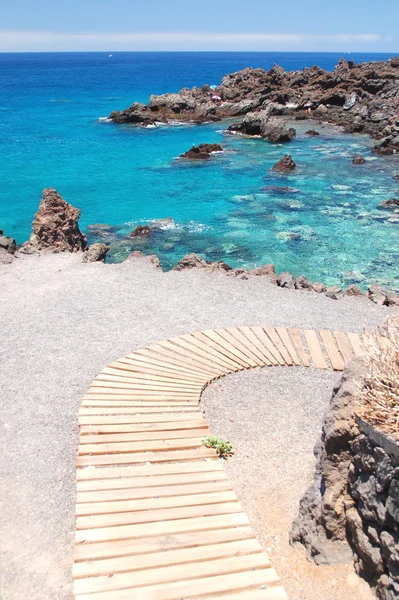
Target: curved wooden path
(156, 516)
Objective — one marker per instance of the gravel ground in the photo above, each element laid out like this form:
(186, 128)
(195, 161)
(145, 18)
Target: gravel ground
(273, 418)
(61, 323)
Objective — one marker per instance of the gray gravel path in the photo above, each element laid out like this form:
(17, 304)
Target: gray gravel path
(61, 323)
(273, 417)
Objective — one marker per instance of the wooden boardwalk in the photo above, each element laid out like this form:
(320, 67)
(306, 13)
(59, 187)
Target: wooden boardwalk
(156, 516)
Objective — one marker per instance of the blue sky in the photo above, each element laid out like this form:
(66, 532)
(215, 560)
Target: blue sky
(338, 25)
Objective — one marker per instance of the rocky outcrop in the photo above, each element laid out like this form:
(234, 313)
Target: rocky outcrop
(285, 164)
(96, 253)
(359, 97)
(201, 152)
(141, 231)
(352, 506)
(286, 280)
(334, 292)
(312, 133)
(358, 160)
(194, 261)
(263, 125)
(55, 227)
(7, 243)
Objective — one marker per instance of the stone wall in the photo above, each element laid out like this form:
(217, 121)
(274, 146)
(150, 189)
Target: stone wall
(352, 506)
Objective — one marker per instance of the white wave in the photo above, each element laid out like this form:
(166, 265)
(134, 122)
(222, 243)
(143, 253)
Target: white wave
(105, 120)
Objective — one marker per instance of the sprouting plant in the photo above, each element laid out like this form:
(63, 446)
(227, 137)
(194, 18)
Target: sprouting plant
(223, 449)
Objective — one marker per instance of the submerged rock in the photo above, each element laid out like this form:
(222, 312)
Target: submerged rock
(96, 253)
(276, 189)
(55, 227)
(141, 231)
(389, 204)
(312, 132)
(201, 152)
(358, 160)
(285, 164)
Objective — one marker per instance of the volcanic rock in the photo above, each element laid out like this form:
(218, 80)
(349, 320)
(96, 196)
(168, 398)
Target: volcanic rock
(285, 164)
(312, 132)
(202, 152)
(389, 204)
(319, 288)
(141, 231)
(261, 124)
(190, 261)
(354, 290)
(96, 253)
(265, 271)
(302, 283)
(286, 280)
(55, 227)
(334, 292)
(378, 294)
(8, 244)
(358, 160)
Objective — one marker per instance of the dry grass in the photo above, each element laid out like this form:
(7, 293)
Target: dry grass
(380, 394)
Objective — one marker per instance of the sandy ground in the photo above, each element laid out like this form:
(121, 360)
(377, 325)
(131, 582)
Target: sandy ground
(61, 323)
(273, 418)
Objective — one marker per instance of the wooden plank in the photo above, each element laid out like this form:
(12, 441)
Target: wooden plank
(117, 401)
(130, 373)
(120, 459)
(285, 338)
(344, 346)
(145, 446)
(194, 349)
(234, 342)
(145, 389)
(151, 481)
(196, 339)
(262, 352)
(144, 427)
(125, 519)
(90, 474)
(172, 573)
(175, 556)
(154, 491)
(246, 345)
(147, 364)
(315, 349)
(191, 358)
(149, 381)
(226, 347)
(193, 588)
(356, 343)
(144, 436)
(334, 355)
(275, 338)
(135, 419)
(134, 410)
(119, 507)
(268, 347)
(127, 532)
(296, 338)
(275, 592)
(212, 342)
(161, 353)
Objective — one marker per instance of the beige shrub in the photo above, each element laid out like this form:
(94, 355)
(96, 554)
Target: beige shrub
(379, 398)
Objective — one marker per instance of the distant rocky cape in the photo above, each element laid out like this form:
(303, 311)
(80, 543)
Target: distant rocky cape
(360, 97)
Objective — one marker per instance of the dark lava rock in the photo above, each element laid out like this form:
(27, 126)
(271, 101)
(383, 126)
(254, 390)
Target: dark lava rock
(55, 227)
(378, 295)
(358, 160)
(302, 283)
(262, 124)
(8, 244)
(202, 152)
(319, 288)
(285, 164)
(389, 204)
(141, 231)
(354, 290)
(286, 280)
(312, 132)
(334, 292)
(96, 253)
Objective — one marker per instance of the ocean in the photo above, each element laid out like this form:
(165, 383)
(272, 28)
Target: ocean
(326, 226)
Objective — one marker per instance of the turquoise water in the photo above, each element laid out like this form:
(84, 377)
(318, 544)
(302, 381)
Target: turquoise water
(326, 225)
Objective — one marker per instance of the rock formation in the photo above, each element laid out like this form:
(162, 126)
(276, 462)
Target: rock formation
(201, 152)
(312, 132)
(265, 126)
(360, 97)
(389, 204)
(96, 253)
(55, 227)
(285, 164)
(141, 231)
(8, 248)
(358, 160)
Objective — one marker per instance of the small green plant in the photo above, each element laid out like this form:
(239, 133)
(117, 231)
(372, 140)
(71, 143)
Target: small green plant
(223, 449)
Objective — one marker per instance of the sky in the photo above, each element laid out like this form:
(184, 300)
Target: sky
(262, 25)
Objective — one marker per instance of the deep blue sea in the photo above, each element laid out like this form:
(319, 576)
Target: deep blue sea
(51, 136)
